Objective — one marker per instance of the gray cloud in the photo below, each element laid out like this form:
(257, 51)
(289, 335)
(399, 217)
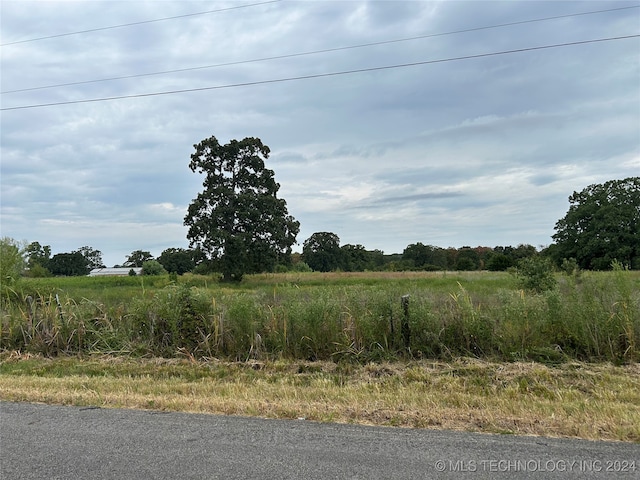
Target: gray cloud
(417, 197)
(482, 151)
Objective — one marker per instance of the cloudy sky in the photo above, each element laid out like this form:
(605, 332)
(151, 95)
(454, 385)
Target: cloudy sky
(439, 149)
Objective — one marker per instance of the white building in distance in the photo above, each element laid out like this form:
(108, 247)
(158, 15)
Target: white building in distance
(114, 272)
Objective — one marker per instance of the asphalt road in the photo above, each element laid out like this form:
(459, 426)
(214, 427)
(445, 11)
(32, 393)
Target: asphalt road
(55, 442)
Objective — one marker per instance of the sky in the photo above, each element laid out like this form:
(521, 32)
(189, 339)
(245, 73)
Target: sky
(434, 122)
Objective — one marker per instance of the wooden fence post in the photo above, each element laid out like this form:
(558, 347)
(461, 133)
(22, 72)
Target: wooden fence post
(405, 329)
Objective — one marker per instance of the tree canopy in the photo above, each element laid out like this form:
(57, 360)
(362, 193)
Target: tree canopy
(321, 251)
(425, 257)
(69, 264)
(177, 260)
(92, 256)
(37, 255)
(238, 220)
(602, 225)
(137, 258)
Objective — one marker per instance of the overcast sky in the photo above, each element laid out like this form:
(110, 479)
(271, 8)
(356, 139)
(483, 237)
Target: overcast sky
(476, 151)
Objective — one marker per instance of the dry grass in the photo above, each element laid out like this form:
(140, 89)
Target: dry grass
(572, 400)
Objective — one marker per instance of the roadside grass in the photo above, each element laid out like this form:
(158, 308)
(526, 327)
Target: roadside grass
(590, 401)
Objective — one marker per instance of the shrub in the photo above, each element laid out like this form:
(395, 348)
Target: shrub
(11, 261)
(536, 274)
(570, 267)
(301, 267)
(153, 267)
(38, 271)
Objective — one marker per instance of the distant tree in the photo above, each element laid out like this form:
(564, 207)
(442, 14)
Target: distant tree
(69, 264)
(152, 267)
(425, 257)
(416, 253)
(502, 250)
(38, 257)
(498, 262)
(394, 263)
(137, 258)
(11, 261)
(377, 258)
(92, 256)
(237, 220)
(501, 258)
(355, 258)
(602, 225)
(321, 251)
(177, 260)
(451, 255)
(524, 250)
(467, 259)
(483, 256)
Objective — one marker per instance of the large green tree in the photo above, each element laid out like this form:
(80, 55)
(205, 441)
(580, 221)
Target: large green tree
(38, 257)
(467, 259)
(321, 251)
(69, 264)
(355, 258)
(177, 260)
(602, 225)
(137, 258)
(238, 220)
(425, 257)
(92, 256)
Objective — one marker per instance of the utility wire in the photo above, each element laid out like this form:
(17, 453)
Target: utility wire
(143, 22)
(322, 75)
(314, 52)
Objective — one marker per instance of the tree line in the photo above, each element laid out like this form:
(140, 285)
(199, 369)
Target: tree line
(35, 260)
(238, 225)
(322, 252)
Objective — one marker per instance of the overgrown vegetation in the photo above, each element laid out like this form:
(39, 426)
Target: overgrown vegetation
(592, 316)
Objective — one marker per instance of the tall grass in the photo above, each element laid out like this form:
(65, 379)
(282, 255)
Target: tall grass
(594, 317)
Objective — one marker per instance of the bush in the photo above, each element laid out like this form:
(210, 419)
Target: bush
(301, 267)
(38, 271)
(570, 267)
(536, 274)
(11, 261)
(153, 267)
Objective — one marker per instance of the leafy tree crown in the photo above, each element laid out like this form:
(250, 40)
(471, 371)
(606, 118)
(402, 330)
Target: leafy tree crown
(601, 226)
(238, 220)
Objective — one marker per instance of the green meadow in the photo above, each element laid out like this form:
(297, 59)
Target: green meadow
(361, 317)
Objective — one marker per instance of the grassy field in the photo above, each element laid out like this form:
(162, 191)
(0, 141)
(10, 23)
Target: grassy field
(471, 351)
(338, 316)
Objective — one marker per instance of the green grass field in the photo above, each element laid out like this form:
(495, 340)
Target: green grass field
(475, 351)
(335, 316)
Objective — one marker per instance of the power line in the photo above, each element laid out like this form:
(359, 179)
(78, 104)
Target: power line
(314, 52)
(137, 23)
(321, 75)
